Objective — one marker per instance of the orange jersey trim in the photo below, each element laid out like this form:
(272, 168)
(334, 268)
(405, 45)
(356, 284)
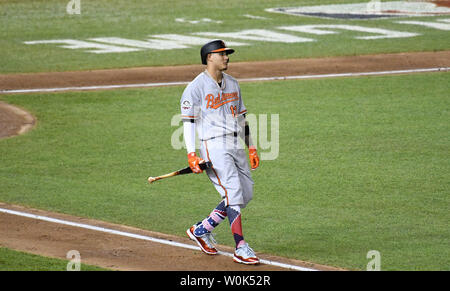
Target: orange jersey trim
(215, 173)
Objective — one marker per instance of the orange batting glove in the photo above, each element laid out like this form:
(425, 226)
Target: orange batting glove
(254, 159)
(194, 163)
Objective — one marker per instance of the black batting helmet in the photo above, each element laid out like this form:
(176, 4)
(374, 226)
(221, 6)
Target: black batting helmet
(214, 46)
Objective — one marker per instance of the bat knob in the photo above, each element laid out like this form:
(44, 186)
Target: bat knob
(151, 179)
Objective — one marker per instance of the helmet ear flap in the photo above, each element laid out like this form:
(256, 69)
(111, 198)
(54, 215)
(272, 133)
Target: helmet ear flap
(204, 58)
(203, 55)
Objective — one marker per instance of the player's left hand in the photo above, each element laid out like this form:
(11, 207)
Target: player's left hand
(254, 158)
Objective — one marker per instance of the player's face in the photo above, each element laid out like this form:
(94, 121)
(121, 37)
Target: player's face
(219, 60)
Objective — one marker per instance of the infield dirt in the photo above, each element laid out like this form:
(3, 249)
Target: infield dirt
(276, 68)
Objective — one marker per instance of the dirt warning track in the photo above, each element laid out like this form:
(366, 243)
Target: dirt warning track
(242, 70)
(120, 247)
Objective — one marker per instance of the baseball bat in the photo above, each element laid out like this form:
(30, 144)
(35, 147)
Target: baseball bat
(183, 171)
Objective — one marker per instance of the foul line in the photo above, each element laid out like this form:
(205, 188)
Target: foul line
(141, 237)
(298, 77)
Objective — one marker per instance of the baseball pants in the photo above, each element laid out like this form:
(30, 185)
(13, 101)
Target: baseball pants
(230, 171)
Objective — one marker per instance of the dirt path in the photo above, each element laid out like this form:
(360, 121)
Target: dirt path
(294, 67)
(14, 120)
(115, 252)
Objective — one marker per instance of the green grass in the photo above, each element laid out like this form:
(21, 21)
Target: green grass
(11, 260)
(47, 20)
(363, 165)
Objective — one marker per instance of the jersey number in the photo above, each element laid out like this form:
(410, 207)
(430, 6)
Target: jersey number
(233, 110)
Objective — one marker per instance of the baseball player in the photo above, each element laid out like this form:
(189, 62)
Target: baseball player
(212, 108)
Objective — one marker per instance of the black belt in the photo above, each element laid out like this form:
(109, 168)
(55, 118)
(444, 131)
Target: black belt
(235, 134)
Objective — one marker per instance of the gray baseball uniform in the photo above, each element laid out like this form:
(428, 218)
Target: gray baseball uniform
(217, 111)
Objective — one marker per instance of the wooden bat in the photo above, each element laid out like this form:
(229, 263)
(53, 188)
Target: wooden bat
(183, 171)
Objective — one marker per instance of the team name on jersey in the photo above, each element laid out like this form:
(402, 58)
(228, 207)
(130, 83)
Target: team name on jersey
(215, 102)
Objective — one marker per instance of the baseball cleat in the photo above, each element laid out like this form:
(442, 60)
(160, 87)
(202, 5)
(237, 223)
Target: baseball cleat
(205, 242)
(245, 255)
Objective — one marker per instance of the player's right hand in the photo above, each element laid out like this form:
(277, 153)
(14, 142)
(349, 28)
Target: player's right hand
(194, 163)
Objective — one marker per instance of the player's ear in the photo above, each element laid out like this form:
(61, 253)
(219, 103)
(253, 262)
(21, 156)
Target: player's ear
(208, 57)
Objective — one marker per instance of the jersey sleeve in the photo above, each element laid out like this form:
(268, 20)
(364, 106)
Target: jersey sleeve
(241, 107)
(190, 103)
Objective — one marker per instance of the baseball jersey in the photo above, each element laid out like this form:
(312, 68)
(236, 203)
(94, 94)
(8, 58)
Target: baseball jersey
(214, 107)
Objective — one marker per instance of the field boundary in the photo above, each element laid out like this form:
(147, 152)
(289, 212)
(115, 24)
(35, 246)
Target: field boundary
(141, 237)
(245, 71)
(260, 79)
(59, 221)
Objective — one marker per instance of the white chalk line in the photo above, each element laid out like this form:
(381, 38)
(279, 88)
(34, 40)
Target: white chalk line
(298, 77)
(141, 237)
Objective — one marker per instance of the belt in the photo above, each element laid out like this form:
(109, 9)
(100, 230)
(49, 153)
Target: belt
(235, 134)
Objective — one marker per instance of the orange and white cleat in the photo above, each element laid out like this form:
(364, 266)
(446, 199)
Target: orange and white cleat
(245, 255)
(205, 242)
